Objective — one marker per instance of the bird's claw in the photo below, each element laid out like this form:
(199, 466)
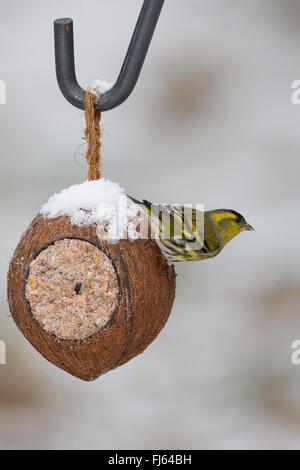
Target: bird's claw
(168, 272)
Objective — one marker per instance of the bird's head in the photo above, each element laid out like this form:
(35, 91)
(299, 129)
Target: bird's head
(229, 223)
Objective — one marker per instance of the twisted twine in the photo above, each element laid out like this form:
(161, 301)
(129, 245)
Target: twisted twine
(93, 137)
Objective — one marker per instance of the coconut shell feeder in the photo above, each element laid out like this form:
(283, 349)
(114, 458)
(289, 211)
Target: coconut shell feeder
(88, 304)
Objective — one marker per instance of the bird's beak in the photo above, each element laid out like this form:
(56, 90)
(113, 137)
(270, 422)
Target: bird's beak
(248, 227)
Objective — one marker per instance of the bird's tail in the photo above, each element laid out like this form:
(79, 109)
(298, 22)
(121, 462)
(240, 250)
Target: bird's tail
(146, 205)
(135, 200)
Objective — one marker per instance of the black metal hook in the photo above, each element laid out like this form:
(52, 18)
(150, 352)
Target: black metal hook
(132, 65)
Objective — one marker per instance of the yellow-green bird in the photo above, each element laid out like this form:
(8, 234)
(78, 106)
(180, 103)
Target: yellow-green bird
(186, 234)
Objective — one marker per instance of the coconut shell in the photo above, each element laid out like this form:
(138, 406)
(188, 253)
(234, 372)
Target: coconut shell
(145, 286)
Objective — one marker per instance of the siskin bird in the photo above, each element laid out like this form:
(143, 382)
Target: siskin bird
(185, 234)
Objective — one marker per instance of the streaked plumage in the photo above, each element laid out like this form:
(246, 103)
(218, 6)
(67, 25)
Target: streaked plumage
(186, 234)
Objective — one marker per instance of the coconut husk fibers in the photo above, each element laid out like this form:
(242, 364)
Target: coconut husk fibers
(146, 291)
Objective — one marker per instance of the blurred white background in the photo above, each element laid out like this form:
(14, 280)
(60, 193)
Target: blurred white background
(210, 121)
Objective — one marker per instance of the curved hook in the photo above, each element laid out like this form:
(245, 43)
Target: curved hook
(132, 65)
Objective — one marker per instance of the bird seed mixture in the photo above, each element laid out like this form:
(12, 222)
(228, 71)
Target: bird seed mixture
(72, 289)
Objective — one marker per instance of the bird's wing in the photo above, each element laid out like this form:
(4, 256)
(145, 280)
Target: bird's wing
(171, 223)
(194, 222)
(176, 222)
(204, 230)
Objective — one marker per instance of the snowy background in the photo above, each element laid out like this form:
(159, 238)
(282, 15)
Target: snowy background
(210, 121)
